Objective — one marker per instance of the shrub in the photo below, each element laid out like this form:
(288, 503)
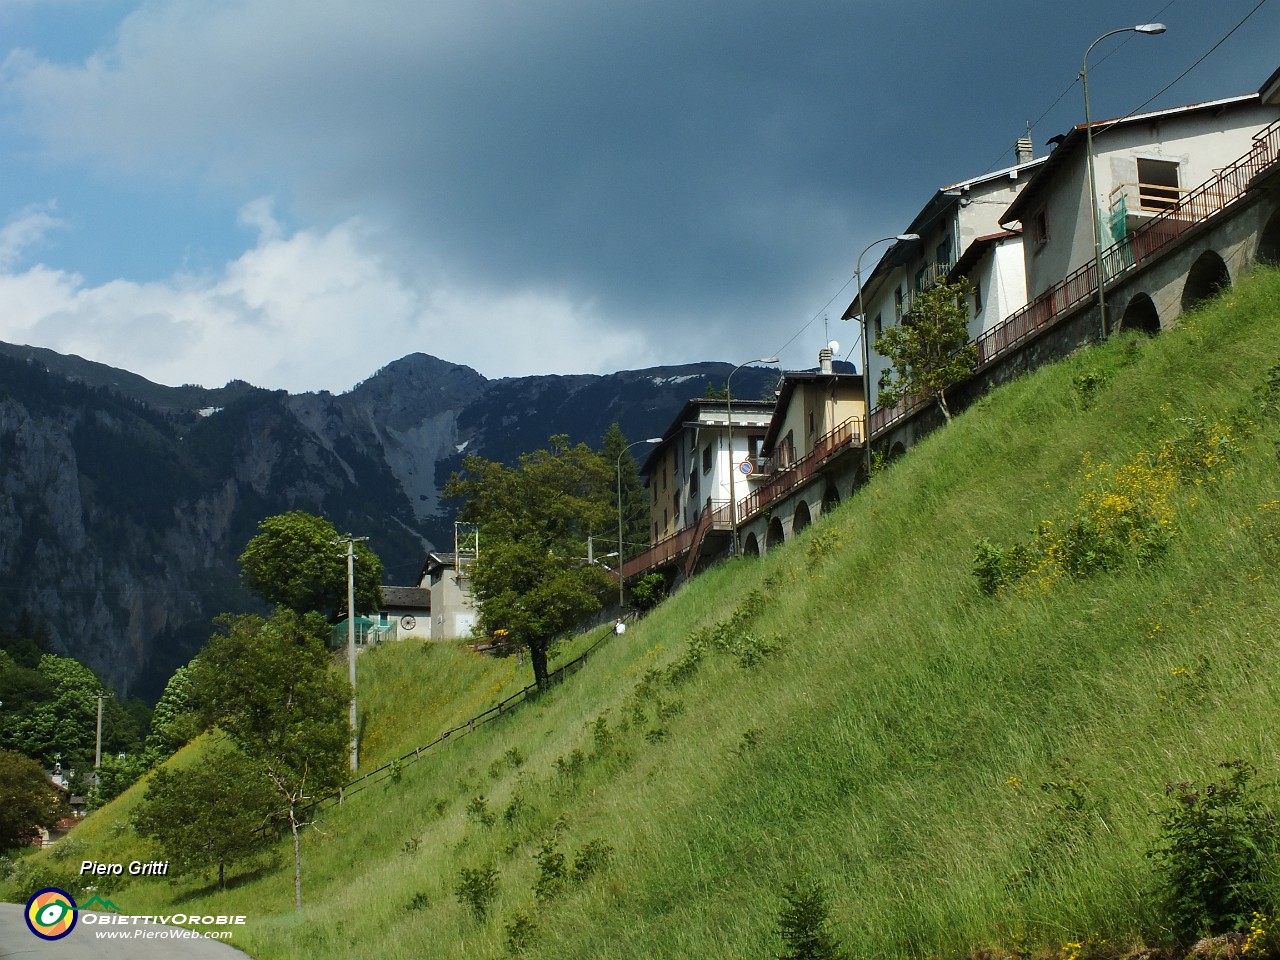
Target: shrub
(477, 888)
(552, 871)
(1216, 854)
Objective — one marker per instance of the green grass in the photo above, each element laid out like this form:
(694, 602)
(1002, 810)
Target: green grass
(958, 771)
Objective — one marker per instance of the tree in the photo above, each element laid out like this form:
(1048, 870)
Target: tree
(28, 800)
(930, 350)
(635, 502)
(299, 561)
(173, 722)
(269, 686)
(531, 577)
(209, 815)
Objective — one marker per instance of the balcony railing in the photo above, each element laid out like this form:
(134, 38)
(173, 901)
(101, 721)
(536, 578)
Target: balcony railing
(715, 514)
(847, 434)
(1197, 206)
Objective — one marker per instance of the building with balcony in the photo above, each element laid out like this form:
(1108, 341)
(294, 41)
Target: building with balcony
(960, 236)
(1145, 165)
(688, 472)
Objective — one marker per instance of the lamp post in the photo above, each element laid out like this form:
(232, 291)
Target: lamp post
(1150, 29)
(866, 352)
(621, 579)
(733, 467)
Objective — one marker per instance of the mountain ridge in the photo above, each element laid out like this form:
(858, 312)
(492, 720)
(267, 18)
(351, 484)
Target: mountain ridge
(128, 502)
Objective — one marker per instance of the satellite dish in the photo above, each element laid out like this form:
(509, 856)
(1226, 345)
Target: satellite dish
(833, 346)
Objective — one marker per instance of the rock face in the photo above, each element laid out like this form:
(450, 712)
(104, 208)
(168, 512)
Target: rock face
(124, 504)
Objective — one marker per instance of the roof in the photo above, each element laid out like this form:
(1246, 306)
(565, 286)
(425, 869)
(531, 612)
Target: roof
(972, 254)
(941, 204)
(1077, 137)
(416, 598)
(692, 413)
(789, 385)
(1269, 92)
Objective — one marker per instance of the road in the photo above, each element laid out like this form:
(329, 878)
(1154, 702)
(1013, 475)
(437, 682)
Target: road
(82, 943)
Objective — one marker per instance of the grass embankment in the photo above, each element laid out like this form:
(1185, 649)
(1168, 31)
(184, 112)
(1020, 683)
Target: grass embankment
(958, 770)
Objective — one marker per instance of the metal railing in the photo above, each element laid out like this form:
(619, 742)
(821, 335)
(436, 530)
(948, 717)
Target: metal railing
(675, 546)
(1197, 206)
(844, 435)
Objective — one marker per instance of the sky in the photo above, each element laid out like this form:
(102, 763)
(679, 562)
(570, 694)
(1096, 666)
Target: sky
(298, 192)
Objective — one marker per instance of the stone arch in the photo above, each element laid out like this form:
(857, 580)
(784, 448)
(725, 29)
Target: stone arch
(1140, 314)
(897, 450)
(801, 519)
(830, 499)
(1207, 278)
(1269, 241)
(751, 546)
(775, 536)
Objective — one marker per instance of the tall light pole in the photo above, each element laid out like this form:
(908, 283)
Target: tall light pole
(621, 579)
(866, 352)
(733, 467)
(1150, 29)
(351, 642)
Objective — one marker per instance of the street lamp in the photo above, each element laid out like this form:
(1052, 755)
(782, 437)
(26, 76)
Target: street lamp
(866, 353)
(621, 579)
(733, 467)
(1150, 29)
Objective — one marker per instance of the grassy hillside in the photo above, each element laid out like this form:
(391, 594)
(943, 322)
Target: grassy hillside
(958, 770)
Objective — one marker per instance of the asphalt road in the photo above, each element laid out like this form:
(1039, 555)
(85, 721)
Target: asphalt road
(82, 943)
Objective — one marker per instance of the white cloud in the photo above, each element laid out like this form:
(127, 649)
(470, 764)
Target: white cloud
(25, 231)
(309, 310)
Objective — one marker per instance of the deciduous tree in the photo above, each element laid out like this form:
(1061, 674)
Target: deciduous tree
(298, 561)
(532, 578)
(28, 800)
(930, 350)
(209, 815)
(269, 685)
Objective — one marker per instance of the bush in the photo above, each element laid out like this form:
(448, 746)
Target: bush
(1217, 855)
(477, 889)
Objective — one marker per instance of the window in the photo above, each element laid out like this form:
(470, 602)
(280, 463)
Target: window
(879, 325)
(898, 301)
(693, 483)
(1157, 184)
(977, 298)
(812, 425)
(1040, 227)
(706, 459)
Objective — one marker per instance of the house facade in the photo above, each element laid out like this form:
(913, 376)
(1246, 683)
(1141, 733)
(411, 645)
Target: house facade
(1144, 165)
(689, 470)
(453, 607)
(958, 227)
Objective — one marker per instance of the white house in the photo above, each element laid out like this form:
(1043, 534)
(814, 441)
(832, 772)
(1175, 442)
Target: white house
(960, 236)
(689, 470)
(1144, 164)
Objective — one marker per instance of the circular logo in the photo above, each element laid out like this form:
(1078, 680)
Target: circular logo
(51, 913)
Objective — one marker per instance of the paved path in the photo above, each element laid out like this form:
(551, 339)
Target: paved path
(16, 941)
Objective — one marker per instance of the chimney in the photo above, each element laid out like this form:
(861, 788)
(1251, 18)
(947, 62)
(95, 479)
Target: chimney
(824, 360)
(1023, 151)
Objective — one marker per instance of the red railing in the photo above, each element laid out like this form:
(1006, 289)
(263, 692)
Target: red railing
(678, 544)
(846, 434)
(1207, 200)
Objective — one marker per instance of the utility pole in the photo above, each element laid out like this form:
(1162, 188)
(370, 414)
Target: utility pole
(351, 643)
(97, 754)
